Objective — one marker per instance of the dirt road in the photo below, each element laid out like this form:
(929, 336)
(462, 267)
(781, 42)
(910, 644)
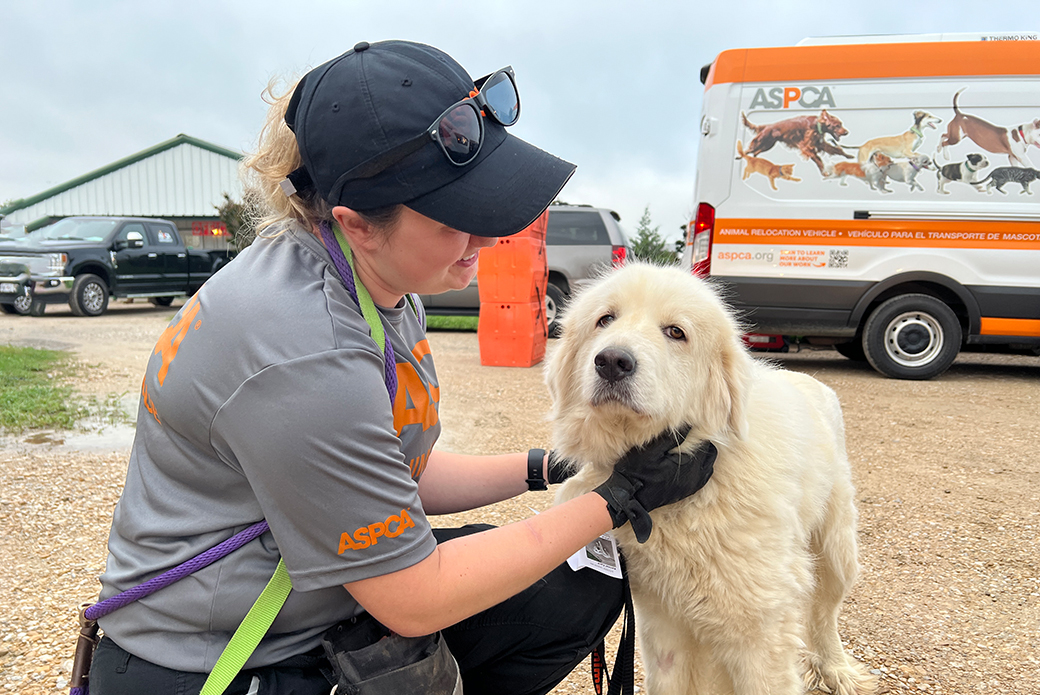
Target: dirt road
(947, 472)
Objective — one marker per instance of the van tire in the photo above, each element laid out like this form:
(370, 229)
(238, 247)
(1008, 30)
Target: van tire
(853, 350)
(554, 302)
(89, 295)
(912, 336)
(161, 301)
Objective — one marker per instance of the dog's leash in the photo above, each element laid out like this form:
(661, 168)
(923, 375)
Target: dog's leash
(622, 679)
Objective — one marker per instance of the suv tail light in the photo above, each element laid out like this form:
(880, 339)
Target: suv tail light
(618, 254)
(700, 240)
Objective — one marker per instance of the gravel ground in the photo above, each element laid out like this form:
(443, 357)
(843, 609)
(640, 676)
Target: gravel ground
(947, 474)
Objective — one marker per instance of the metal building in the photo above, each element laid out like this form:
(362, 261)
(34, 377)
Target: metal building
(182, 180)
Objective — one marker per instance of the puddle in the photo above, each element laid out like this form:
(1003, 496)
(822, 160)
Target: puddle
(107, 438)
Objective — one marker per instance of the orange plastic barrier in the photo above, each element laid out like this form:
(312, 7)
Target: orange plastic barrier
(513, 270)
(512, 277)
(512, 335)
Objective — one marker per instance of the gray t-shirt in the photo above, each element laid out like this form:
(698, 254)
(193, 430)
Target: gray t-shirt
(265, 399)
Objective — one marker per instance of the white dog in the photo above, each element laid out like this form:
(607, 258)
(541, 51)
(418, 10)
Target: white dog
(739, 587)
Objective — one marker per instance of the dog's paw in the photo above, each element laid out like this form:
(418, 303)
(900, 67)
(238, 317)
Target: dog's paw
(848, 678)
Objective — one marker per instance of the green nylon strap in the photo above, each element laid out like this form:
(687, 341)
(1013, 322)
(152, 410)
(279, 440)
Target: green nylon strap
(259, 618)
(248, 635)
(368, 307)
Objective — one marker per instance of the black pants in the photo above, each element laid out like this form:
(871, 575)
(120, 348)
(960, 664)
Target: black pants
(523, 646)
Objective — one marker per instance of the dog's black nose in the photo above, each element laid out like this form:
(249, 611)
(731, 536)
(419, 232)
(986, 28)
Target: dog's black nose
(615, 364)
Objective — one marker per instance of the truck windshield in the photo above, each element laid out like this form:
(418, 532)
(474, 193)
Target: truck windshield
(76, 230)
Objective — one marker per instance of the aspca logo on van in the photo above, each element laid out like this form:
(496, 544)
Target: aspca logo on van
(366, 536)
(782, 97)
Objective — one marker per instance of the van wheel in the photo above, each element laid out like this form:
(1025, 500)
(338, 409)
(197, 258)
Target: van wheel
(853, 350)
(89, 295)
(554, 302)
(161, 301)
(913, 336)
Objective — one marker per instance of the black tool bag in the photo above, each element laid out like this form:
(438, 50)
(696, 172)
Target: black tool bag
(368, 659)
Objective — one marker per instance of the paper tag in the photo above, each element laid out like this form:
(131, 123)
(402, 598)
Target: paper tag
(600, 555)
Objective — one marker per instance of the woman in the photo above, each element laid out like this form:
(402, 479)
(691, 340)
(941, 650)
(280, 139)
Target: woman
(271, 397)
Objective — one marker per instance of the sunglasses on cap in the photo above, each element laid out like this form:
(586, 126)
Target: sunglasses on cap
(459, 131)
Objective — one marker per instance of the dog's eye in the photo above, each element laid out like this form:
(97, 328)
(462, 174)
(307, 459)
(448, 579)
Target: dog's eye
(605, 320)
(675, 333)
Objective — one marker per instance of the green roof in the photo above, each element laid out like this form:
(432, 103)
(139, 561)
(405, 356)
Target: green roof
(181, 139)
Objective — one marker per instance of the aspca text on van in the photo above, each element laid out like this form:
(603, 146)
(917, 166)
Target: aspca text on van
(876, 195)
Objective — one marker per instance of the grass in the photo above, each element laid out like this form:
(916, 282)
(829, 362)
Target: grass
(34, 394)
(452, 323)
(32, 390)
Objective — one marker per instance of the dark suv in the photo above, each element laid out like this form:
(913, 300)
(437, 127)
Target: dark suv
(580, 240)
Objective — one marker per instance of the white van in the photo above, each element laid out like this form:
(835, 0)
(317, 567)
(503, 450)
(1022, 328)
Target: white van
(876, 194)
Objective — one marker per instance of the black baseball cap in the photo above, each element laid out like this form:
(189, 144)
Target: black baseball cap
(377, 96)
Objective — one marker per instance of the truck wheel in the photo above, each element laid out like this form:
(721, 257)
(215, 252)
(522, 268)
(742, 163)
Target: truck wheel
(23, 305)
(913, 336)
(161, 301)
(554, 302)
(89, 295)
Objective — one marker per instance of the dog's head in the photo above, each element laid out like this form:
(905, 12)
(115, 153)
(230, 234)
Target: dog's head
(923, 119)
(1032, 132)
(832, 124)
(977, 160)
(922, 161)
(645, 348)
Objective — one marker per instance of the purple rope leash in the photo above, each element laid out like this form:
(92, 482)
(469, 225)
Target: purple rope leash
(343, 266)
(179, 572)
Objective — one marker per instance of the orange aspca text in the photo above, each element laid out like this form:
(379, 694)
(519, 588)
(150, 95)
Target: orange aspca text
(410, 388)
(366, 536)
(170, 340)
(147, 400)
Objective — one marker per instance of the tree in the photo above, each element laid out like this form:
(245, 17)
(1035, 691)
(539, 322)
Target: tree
(240, 220)
(648, 244)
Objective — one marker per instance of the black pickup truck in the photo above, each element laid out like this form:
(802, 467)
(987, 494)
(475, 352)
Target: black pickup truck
(86, 260)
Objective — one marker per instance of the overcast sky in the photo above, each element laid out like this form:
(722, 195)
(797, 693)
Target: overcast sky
(610, 86)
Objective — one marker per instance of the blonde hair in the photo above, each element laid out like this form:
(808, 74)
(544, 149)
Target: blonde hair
(277, 155)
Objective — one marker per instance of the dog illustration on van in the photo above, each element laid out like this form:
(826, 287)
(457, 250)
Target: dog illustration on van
(806, 134)
(1013, 142)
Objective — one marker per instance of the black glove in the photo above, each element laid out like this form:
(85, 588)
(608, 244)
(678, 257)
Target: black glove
(651, 476)
(559, 468)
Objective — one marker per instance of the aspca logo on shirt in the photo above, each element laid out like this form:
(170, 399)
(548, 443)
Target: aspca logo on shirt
(782, 97)
(366, 536)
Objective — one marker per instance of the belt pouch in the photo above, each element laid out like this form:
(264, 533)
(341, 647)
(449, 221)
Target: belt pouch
(368, 659)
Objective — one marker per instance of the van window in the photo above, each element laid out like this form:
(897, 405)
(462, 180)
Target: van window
(584, 228)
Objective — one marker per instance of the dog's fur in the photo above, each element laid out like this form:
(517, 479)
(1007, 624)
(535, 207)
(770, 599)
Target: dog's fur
(906, 170)
(1014, 142)
(739, 581)
(873, 173)
(807, 134)
(966, 171)
(903, 145)
(757, 165)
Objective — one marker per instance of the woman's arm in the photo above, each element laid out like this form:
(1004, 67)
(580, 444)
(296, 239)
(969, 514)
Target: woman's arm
(456, 482)
(466, 575)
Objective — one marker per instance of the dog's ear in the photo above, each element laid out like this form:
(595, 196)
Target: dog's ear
(560, 364)
(728, 385)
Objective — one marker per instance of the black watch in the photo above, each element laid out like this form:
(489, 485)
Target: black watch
(535, 467)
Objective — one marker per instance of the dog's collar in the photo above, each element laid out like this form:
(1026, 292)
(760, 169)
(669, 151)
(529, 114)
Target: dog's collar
(967, 165)
(917, 131)
(1019, 134)
(914, 165)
